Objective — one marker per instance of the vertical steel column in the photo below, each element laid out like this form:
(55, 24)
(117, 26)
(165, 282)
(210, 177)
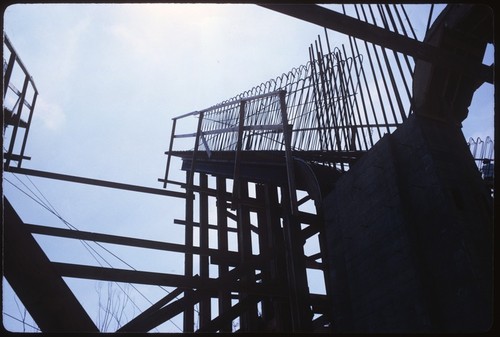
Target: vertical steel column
(275, 312)
(205, 303)
(278, 263)
(188, 262)
(172, 136)
(222, 245)
(249, 317)
(296, 269)
(236, 175)
(287, 137)
(323, 247)
(297, 278)
(195, 150)
(188, 320)
(265, 249)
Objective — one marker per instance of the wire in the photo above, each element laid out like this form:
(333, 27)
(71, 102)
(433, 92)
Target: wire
(24, 323)
(87, 246)
(43, 196)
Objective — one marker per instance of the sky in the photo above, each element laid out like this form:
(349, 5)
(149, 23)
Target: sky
(110, 79)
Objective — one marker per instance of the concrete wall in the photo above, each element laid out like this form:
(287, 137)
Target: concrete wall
(409, 235)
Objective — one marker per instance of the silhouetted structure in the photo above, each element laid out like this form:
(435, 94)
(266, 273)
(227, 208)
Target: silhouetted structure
(359, 152)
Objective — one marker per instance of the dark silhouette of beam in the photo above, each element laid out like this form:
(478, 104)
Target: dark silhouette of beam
(146, 319)
(123, 240)
(371, 33)
(154, 278)
(36, 282)
(90, 181)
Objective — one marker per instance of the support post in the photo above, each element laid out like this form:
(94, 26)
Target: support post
(169, 155)
(236, 175)
(188, 321)
(205, 303)
(296, 269)
(249, 317)
(287, 136)
(222, 246)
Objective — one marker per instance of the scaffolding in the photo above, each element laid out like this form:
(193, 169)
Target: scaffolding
(256, 169)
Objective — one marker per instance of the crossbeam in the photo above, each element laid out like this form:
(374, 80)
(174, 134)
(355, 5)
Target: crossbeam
(120, 240)
(163, 279)
(97, 182)
(371, 33)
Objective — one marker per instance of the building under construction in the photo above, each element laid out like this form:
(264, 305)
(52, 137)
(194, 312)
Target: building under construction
(359, 151)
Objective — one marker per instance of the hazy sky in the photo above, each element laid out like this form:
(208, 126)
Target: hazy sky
(110, 79)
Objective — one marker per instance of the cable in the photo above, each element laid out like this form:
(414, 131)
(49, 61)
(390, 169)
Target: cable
(24, 323)
(86, 244)
(43, 196)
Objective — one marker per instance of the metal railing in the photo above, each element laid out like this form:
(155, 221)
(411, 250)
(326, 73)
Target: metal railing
(256, 123)
(18, 105)
(483, 154)
(344, 100)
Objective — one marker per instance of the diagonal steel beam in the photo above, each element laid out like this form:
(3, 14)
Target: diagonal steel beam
(35, 280)
(227, 317)
(144, 320)
(163, 310)
(371, 33)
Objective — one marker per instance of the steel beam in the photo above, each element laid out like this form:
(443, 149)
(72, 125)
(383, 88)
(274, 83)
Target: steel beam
(371, 33)
(37, 283)
(121, 240)
(205, 305)
(197, 224)
(224, 296)
(140, 321)
(237, 157)
(188, 315)
(90, 181)
(248, 318)
(276, 248)
(169, 280)
(169, 157)
(296, 268)
(164, 314)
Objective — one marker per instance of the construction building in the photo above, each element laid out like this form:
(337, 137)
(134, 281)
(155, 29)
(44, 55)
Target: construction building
(359, 150)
